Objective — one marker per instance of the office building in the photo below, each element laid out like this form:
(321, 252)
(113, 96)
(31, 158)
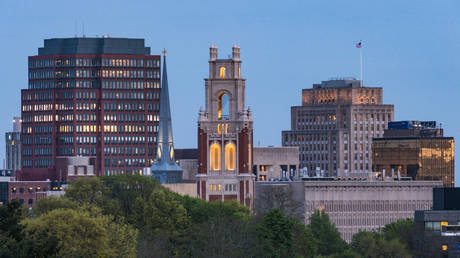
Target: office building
(437, 231)
(416, 149)
(13, 146)
(352, 205)
(92, 97)
(335, 125)
(225, 134)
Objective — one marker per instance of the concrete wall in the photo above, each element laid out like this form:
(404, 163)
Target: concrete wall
(272, 158)
(351, 205)
(183, 189)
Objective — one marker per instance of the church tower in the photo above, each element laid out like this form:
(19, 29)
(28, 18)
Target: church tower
(225, 134)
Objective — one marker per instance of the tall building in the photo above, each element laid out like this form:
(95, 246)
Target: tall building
(96, 97)
(416, 149)
(225, 134)
(13, 146)
(335, 125)
(165, 168)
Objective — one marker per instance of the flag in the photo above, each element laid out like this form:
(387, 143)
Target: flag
(359, 45)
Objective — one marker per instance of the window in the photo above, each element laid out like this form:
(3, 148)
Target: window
(223, 108)
(222, 72)
(230, 156)
(215, 156)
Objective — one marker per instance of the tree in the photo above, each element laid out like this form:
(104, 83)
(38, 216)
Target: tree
(279, 196)
(48, 204)
(164, 223)
(283, 236)
(401, 230)
(78, 233)
(373, 244)
(326, 234)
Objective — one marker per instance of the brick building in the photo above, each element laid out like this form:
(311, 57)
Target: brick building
(92, 97)
(225, 134)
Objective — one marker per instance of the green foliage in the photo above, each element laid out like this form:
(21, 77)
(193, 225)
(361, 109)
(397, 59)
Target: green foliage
(52, 203)
(400, 230)
(127, 216)
(373, 244)
(326, 234)
(283, 236)
(77, 233)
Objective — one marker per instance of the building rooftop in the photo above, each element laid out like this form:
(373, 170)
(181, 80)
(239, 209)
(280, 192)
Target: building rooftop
(89, 46)
(339, 83)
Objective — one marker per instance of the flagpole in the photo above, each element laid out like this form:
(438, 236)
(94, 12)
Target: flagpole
(361, 64)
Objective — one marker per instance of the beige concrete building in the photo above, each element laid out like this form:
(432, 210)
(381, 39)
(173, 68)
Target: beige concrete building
(335, 125)
(351, 205)
(269, 162)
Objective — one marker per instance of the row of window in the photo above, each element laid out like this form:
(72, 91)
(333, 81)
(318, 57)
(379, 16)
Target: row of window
(67, 83)
(215, 156)
(218, 188)
(129, 95)
(38, 163)
(110, 84)
(129, 139)
(63, 62)
(128, 162)
(125, 151)
(37, 129)
(30, 189)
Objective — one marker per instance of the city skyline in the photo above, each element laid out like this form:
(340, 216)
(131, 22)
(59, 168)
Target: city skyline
(410, 51)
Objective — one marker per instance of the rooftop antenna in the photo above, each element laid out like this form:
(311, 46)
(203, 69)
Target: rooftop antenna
(83, 27)
(76, 28)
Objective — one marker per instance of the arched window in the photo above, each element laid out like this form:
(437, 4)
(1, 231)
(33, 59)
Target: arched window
(223, 112)
(230, 156)
(222, 72)
(215, 156)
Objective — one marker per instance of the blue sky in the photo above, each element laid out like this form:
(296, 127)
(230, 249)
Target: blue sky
(411, 49)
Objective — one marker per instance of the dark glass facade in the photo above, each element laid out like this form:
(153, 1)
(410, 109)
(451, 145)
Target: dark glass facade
(94, 97)
(416, 150)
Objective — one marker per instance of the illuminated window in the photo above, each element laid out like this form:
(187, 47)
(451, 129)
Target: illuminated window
(230, 156)
(222, 72)
(223, 108)
(215, 156)
(444, 247)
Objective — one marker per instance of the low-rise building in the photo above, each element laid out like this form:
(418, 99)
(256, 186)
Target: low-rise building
(437, 231)
(270, 162)
(352, 205)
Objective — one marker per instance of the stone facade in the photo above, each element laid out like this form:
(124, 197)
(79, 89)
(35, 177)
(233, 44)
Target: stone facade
(360, 205)
(269, 162)
(335, 125)
(225, 134)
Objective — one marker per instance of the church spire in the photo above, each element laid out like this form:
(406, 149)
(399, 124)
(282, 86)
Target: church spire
(165, 168)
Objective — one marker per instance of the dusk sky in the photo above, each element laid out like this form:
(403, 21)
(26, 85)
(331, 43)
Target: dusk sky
(410, 48)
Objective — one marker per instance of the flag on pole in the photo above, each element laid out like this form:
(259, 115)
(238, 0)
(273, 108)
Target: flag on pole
(359, 45)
